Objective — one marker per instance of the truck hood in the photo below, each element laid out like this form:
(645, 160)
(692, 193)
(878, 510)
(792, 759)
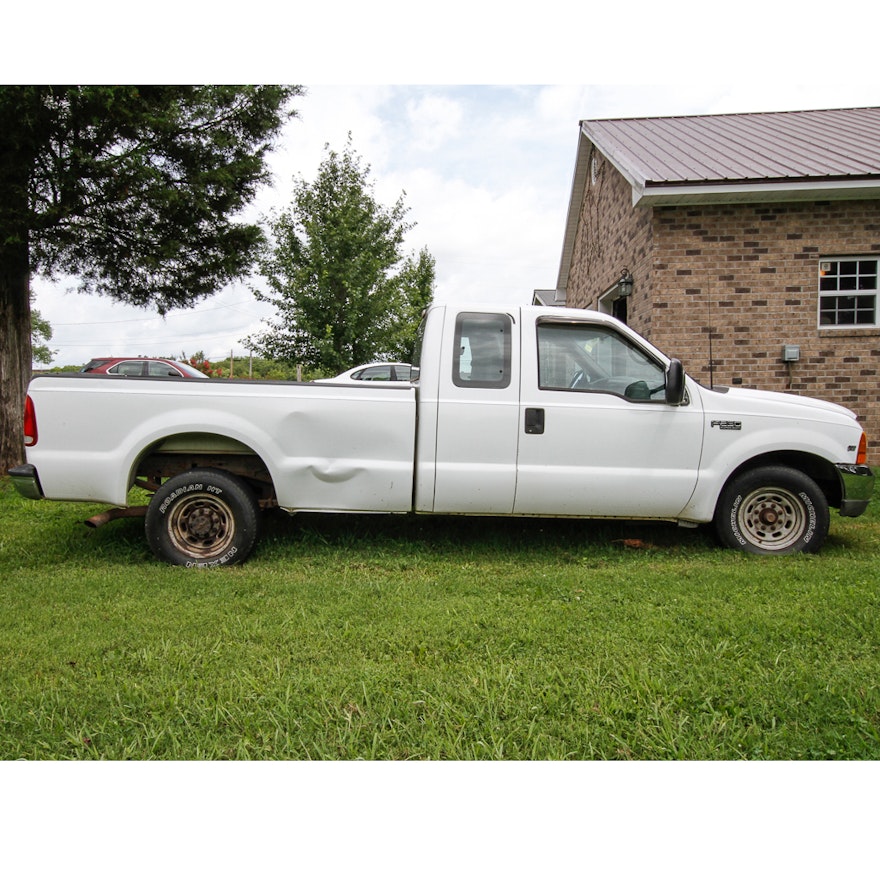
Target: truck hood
(773, 403)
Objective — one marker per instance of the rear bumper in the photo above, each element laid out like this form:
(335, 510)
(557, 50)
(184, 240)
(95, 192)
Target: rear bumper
(857, 485)
(26, 481)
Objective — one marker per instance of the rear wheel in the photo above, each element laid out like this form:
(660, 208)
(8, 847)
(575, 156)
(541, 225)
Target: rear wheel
(772, 511)
(203, 518)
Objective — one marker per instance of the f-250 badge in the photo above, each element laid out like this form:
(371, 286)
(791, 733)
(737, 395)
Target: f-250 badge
(728, 426)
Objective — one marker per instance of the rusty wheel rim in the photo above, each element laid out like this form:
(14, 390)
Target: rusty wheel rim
(202, 525)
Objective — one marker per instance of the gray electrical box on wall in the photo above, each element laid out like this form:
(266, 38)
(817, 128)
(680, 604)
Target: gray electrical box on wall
(791, 353)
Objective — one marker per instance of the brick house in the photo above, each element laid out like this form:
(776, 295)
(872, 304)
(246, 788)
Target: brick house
(752, 242)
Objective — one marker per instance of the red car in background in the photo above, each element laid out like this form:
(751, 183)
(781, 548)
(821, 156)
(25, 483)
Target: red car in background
(141, 366)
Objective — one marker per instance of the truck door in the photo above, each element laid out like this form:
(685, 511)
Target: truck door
(596, 435)
(477, 414)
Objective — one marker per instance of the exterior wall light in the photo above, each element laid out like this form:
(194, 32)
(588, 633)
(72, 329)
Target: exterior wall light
(625, 283)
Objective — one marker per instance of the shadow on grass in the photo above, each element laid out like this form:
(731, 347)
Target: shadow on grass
(50, 533)
(474, 536)
(289, 537)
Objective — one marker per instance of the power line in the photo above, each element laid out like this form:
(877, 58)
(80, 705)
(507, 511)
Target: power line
(148, 318)
(115, 342)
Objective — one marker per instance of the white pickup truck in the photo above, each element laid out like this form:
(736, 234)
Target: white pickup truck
(515, 411)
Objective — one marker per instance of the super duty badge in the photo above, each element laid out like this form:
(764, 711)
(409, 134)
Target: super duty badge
(727, 426)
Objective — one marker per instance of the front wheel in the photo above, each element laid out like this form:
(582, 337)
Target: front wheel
(203, 518)
(772, 511)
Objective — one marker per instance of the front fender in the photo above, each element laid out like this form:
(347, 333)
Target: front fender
(734, 439)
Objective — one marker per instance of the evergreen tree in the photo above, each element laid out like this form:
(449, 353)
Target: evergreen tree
(134, 190)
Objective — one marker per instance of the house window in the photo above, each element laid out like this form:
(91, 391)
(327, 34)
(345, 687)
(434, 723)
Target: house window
(848, 292)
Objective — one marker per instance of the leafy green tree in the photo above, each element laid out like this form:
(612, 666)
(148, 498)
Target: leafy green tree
(134, 190)
(344, 291)
(41, 333)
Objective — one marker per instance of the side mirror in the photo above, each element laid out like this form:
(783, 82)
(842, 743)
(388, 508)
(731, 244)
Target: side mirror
(674, 383)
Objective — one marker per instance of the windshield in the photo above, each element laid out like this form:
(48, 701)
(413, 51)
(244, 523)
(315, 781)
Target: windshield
(187, 370)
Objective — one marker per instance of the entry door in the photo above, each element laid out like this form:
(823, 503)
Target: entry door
(596, 436)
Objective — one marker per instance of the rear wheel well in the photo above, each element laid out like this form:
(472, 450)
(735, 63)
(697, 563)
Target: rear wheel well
(822, 472)
(177, 454)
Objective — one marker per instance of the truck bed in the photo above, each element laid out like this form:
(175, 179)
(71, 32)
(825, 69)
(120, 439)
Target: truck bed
(326, 447)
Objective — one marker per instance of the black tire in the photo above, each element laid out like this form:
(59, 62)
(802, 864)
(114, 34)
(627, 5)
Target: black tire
(772, 511)
(203, 518)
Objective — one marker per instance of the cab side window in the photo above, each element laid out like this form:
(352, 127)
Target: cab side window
(482, 356)
(588, 357)
(374, 374)
(128, 368)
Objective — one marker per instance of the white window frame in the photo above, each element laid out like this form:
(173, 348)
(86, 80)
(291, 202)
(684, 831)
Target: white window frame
(823, 266)
(608, 299)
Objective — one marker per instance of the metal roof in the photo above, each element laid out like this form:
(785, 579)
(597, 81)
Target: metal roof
(742, 157)
(797, 146)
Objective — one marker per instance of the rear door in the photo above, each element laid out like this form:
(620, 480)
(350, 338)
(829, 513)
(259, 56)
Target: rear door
(477, 414)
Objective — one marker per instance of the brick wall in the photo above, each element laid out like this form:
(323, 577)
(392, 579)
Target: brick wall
(612, 236)
(746, 272)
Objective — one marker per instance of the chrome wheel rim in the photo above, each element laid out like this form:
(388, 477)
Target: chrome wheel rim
(772, 518)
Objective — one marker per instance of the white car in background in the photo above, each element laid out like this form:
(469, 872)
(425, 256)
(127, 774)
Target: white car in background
(378, 372)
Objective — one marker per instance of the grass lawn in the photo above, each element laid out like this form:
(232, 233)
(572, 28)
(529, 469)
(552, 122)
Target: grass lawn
(435, 638)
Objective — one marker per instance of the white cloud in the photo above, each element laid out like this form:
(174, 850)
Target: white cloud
(490, 245)
(434, 120)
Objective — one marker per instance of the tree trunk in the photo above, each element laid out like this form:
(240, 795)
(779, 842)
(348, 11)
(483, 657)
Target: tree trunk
(15, 349)
(16, 165)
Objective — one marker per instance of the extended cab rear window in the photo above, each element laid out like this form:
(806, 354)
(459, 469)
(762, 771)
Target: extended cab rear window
(482, 350)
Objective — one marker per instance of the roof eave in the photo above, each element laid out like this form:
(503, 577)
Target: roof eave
(578, 187)
(620, 159)
(660, 195)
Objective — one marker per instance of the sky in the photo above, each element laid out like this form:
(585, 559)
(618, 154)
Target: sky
(485, 171)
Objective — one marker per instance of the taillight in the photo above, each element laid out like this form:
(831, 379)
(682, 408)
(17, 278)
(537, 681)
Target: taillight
(30, 422)
(862, 454)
